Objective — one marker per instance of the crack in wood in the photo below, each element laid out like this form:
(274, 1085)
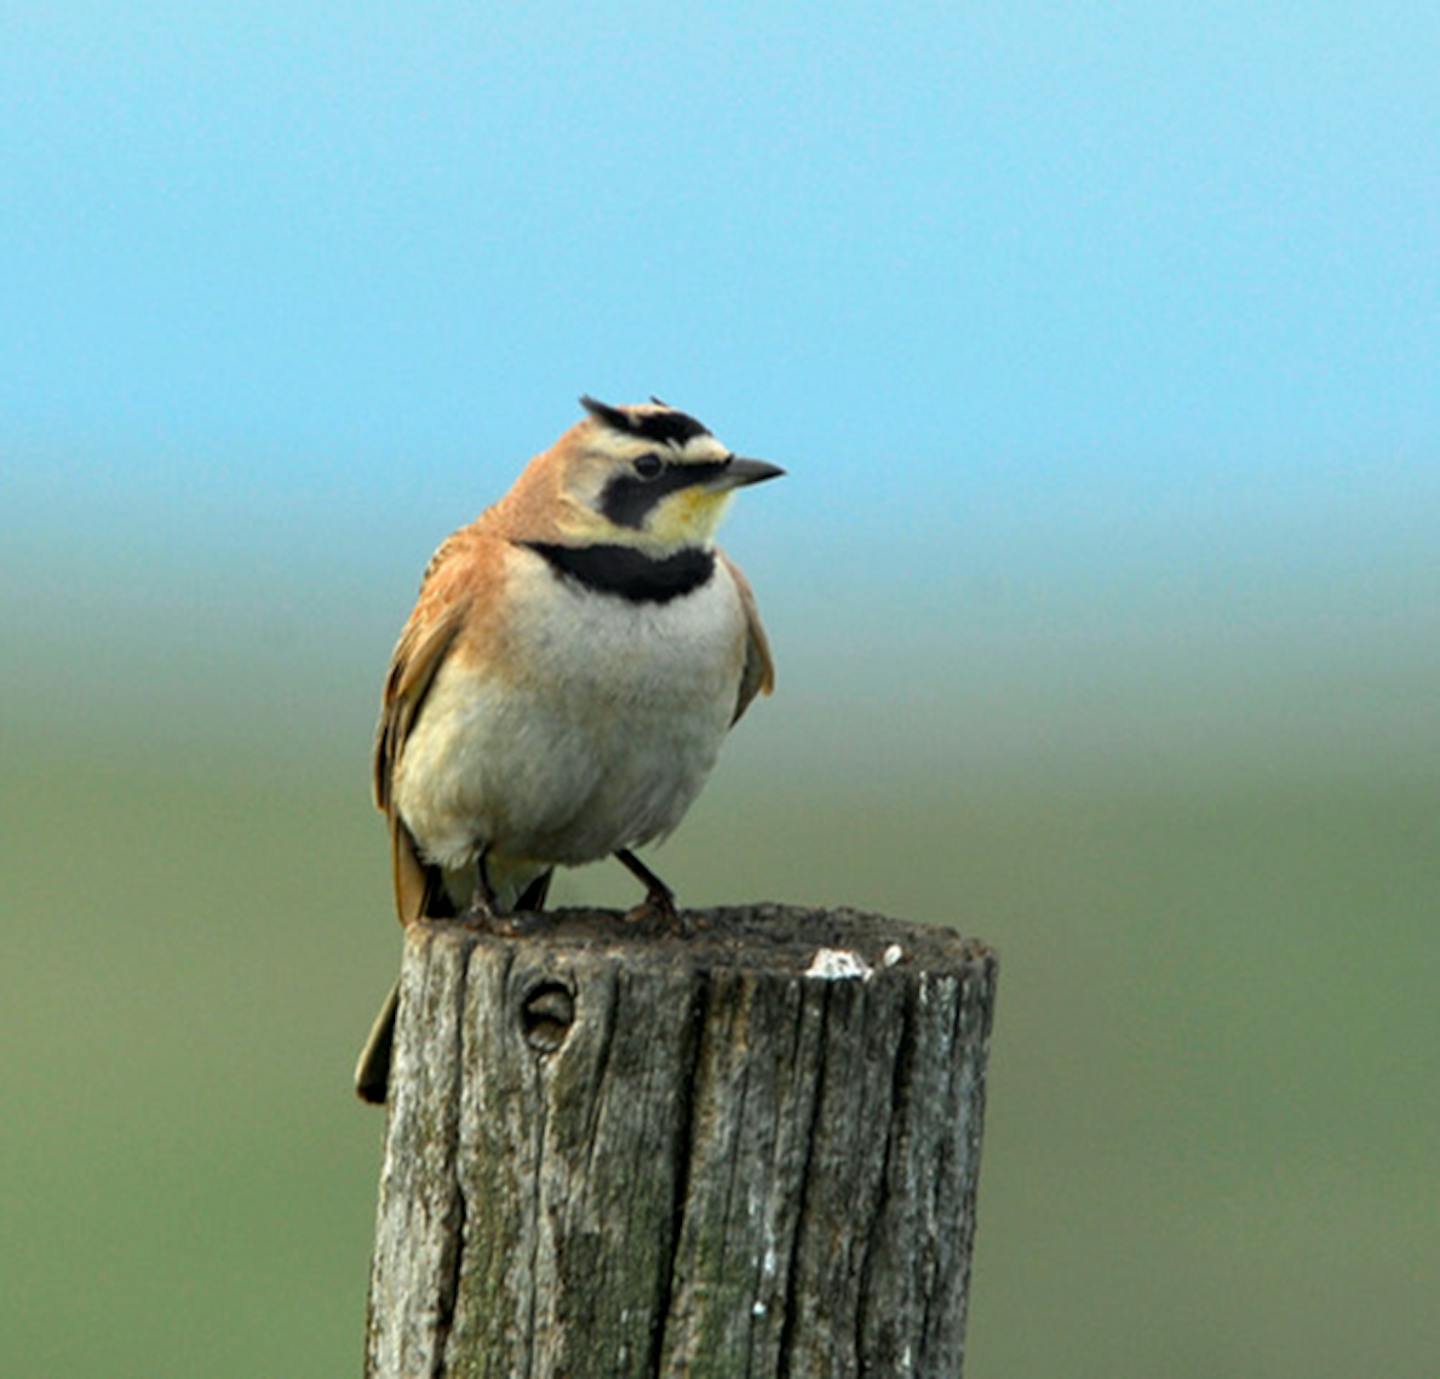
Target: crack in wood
(797, 1238)
(449, 1288)
(900, 1071)
(537, 1194)
(928, 1294)
(695, 1029)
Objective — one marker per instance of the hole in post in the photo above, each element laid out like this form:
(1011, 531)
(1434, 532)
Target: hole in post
(546, 1014)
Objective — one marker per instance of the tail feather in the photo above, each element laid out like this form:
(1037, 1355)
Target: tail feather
(372, 1070)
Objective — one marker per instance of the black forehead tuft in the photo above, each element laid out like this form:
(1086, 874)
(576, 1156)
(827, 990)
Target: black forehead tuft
(661, 427)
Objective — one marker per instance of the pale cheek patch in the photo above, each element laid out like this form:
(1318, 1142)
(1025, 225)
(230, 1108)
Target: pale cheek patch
(690, 516)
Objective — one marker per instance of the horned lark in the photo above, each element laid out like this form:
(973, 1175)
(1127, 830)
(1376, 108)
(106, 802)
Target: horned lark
(561, 690)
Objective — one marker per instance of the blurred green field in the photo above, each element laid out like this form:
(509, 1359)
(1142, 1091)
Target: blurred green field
(1215, 1087)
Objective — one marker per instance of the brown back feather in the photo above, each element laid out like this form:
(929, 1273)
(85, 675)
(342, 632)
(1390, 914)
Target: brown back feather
(758, 674)
(418, 656)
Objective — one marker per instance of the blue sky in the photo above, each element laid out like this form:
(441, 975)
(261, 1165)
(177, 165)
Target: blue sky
(1073, 325)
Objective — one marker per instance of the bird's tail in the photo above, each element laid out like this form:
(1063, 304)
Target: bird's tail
(372, 1071)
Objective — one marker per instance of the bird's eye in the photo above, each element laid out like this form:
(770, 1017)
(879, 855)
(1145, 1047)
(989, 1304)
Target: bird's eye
(648, 466)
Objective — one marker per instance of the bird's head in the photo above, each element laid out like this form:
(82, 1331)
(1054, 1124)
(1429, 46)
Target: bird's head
(648, 476)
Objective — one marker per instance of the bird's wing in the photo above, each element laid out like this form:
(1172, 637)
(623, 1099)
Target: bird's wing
(418, 655)
(758, 674)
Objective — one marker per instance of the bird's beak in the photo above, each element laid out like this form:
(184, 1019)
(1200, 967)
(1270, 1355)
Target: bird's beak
(740, 472)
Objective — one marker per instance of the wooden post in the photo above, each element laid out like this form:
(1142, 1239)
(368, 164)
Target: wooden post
(752, 1150)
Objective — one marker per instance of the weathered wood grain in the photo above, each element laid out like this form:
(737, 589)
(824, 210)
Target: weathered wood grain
(749, 1151)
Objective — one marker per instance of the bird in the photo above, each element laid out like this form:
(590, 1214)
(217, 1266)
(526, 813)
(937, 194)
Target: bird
(561, 691)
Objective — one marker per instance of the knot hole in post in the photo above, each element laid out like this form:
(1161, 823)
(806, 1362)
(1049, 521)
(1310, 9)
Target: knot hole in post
(546, 1014)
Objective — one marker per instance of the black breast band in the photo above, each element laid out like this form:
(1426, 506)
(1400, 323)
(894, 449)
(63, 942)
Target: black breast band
(624, 572)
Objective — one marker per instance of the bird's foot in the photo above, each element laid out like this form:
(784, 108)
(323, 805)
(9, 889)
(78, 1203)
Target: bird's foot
(489, 920)
(657, 912)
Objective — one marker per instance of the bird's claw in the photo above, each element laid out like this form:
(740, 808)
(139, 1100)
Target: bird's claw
(657, 911)
(483, 917)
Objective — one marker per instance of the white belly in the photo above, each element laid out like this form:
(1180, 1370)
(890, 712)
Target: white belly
(603, 744)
